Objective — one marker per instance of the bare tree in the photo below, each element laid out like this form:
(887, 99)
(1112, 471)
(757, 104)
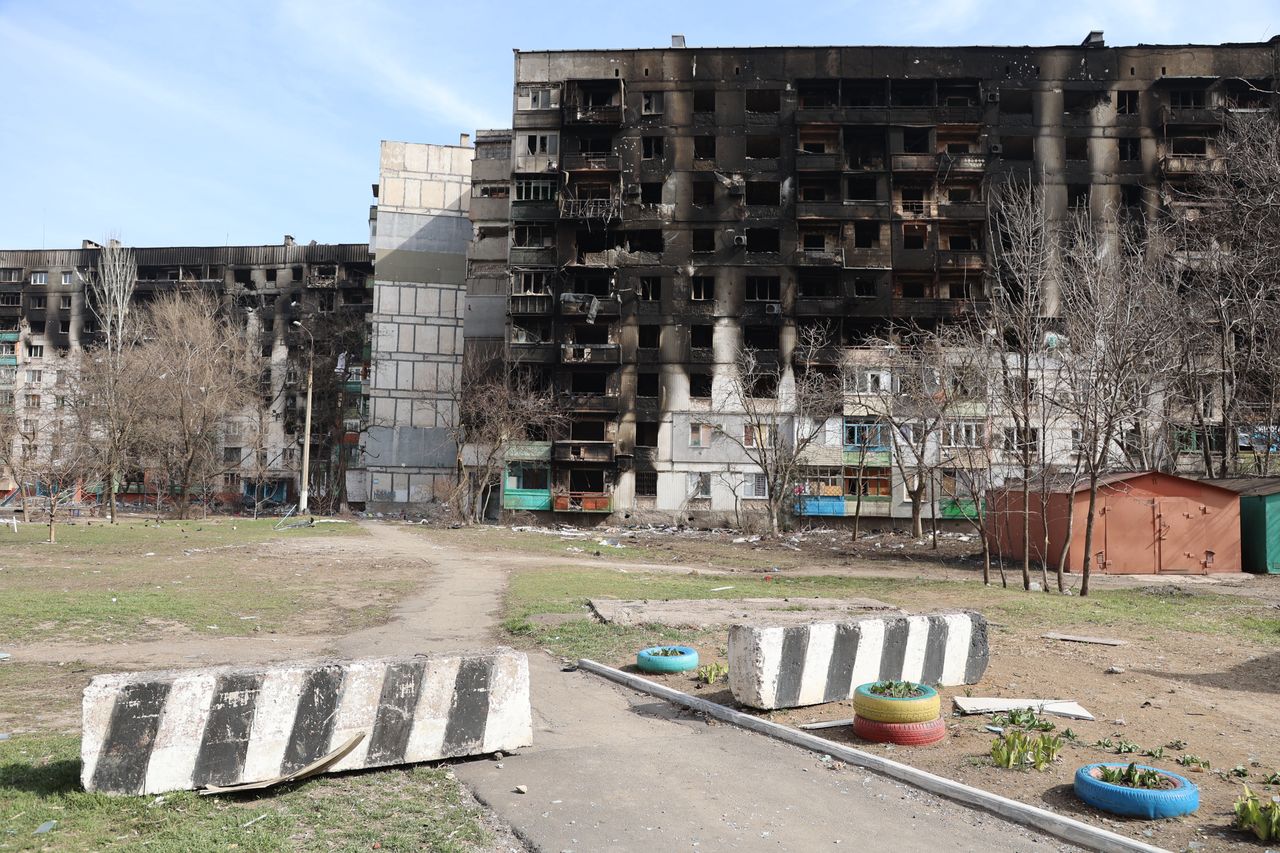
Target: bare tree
(113, 414)
(48, 456)
(783, 411)
(490, 416)
(203, 370)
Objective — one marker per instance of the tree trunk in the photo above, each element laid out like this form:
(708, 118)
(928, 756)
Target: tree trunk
(1066, 545)
(1026, 527)
(917, 512)
(1088, 535)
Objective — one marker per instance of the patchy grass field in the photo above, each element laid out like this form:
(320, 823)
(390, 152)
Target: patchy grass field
(138, 580)
(414, 808)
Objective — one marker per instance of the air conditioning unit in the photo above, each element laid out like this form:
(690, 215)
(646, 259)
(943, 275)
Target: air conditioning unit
(993, 97)
(773, 308)
(739, 239)
(995, 148)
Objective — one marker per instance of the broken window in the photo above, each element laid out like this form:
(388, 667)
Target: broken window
(1127, 102)
(652, 147)
(704, 100)
(647, 385)
(916, 140)
(818, 94)
(962, 243)
(651, 103)
(1077, 195)
(960, 195)
(1131, 195)
(763, 147)
(648, 335)
(542, 143)
(813, 284)
(1187, 99)
(815, 192)
(533, 236)
(915, 235)
(704, 193)
(862, 93)
(763, 240)
(702, 288)
(296, 273)
(763, 385)
(242, 276)
(911, 93)
(531, 190)
(271, 275)
(536, 98)
(65, 302)
(913, 288)
(699, 484)
(757, 435)
(650, 192)
(645, 240)
(763, 100)
(763, 192)
(704, 240)
(862, 189)
(1077, 148)
(700, 386)
(588, 382)
(700, 335)
(595, 144)
(1188, 146)
(763, 288)
(490, 190)
(1130, 149)
(813, 241)
(760, 337)
(868, 482)
(704, 148)
(865, 287)
(866, 235)
(530, 283)
(650, 288)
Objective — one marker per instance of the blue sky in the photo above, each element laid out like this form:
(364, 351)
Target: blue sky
(197, 123)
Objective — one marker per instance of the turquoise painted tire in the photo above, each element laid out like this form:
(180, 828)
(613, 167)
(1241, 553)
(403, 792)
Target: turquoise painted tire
(649, 661)
(1137, 802)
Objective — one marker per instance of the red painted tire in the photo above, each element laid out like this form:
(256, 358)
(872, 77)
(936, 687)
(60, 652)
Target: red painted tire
(904, 734)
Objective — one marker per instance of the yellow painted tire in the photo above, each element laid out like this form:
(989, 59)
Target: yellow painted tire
(884, 709)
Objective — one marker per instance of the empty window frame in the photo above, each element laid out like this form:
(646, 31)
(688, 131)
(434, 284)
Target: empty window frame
(757, 435)
(650, 192)
(648, 385)
(704, 100)
(763, 100)
(530, 283)
(764, 192)
(962, 434)
(530, 190)
(701, 335)
(1130, 149)
(700, 485)
(1127, 102)
(868, 482)
(533, 236)
(763, 147)
(763, 288)
(704, 240)
(704, 147)
(702, 288)
(763, 240)
(650, 288)
(1187, 99)
(755, 486)
(700, 386)
(704, 193)
(542, 143)
(651, 103)
(646, 484)
(652, 147)
(537, 98)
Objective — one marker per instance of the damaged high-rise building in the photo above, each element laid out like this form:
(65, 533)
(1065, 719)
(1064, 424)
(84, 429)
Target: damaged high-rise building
(652, 211)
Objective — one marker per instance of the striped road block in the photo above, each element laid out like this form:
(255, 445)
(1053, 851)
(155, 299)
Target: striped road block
(787, 667)
(150, 732)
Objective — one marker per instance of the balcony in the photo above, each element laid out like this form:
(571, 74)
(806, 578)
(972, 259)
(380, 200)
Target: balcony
(529, 500)
(589, 353)
(914, 259)
(541, 210)
(531, 353)
(586, 305)
(955, 260)
(528, 451)
(808, 306)
(583, 502)
(532, 256)
(1191, 164)
(601, 209)
(833, 257)
(962, 164)
(574, 450)
(578, 114)
(962, 210)
(848, 209)
(1199, 116)
(490, 209)
(971, 114)
(591, 163)
(915, 209)
(807, 161)
(914, 162)
(529, 303)
(580, 402)
(867, 258)
(928, 308)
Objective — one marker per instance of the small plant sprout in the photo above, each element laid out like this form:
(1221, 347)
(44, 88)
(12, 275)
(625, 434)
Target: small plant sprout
(1069, 734)
(1193, 762)
(1124, 747)
(1018, 750)
(1177, 745)
(1271, 779)
(1240, 771)
(1134, 776)
(712, 672)
(896, 689)
(667, 652)
(1104, 743)
(1023, 718)
(1158, 752)
(1261, 817)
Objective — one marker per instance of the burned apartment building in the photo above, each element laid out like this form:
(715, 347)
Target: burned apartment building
(651, 211)
(286, 295)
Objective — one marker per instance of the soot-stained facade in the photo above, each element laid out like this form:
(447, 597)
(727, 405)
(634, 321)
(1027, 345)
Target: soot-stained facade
(651, 211)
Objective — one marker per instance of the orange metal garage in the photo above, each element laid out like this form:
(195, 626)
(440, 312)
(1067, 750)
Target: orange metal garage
(1146, 523)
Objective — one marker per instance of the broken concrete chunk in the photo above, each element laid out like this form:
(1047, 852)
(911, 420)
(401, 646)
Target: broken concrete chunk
(780, 666)
(152, 732)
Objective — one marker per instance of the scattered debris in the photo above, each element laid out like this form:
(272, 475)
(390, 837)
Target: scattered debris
(522, 789)
(1072, 638)
(321, 764)
(721, 588)
(1114, 670)
(252, 822)
(5, 656)
(1068, 708)
(827, 724)
(45, 827)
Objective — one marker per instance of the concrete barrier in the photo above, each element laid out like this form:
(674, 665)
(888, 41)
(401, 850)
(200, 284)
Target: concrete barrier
(150, 732)
(787, 667)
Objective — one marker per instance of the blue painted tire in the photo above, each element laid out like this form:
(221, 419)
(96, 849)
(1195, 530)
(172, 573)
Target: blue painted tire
(1137, 802)
(648, 661)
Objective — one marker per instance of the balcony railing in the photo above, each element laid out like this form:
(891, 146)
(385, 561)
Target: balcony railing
(589, 353)
(590, 162)
(914, 162)
(962, 163)
(1191, 164)
(832, 257)
(915, 209)
(603, 209)
(579, 114)
(583, 502)
(529, 303)
(582, 451)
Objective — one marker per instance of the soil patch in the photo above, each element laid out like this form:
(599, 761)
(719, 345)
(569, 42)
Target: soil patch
(708, 613)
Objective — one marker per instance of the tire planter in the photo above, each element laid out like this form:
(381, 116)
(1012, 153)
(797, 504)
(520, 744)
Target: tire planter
(1137, 802)
(904, 734)
(649, 661)
(884, 709)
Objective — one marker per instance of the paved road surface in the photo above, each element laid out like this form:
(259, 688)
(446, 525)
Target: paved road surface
(613, 770)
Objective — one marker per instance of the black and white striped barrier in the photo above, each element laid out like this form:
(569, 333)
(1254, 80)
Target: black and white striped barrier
(787, 667)
(150, 732)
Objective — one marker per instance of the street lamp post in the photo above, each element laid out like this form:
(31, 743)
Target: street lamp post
(305, 478)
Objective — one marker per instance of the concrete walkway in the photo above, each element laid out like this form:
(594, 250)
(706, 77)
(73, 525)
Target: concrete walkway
(612, 770)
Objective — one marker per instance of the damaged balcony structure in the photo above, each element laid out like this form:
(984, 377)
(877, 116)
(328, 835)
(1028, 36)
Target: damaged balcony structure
(668, 205)
(45, 318)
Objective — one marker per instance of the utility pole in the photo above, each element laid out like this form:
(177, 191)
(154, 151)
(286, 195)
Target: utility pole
(305, 477)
